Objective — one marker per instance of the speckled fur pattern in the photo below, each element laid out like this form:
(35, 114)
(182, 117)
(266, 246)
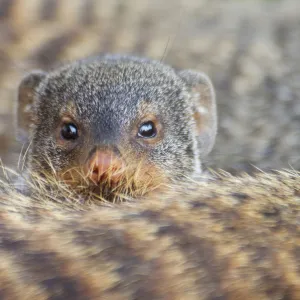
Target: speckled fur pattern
(233, 238)
(248, 48)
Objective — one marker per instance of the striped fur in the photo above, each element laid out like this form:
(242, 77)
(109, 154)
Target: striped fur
(236, 238)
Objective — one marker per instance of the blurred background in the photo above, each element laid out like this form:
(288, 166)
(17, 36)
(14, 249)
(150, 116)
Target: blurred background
(249, 48)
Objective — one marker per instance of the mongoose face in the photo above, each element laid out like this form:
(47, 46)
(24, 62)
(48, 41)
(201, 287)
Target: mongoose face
(105, 114)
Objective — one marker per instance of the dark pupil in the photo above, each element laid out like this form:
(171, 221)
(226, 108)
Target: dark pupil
(147, 130)
(69, 131)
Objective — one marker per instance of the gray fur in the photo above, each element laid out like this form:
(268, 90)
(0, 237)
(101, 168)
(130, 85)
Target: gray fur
(107, 91)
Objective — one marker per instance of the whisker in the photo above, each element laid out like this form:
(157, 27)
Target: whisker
(25, 155)
(169, 43)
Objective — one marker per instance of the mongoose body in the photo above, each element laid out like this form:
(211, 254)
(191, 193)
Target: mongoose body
(235, 238)
(102, 115)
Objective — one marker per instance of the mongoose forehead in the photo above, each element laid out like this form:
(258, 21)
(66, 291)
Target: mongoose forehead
(235, 238)
(132, 109)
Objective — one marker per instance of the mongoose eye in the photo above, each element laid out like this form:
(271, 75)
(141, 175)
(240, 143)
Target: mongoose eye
(69, 131)
(147, 130)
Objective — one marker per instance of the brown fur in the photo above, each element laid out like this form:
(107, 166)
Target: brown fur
(233, 238)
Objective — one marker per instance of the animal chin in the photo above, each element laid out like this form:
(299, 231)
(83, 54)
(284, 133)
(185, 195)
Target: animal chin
(114, 185)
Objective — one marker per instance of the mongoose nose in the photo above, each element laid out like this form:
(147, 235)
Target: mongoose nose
(104, 166)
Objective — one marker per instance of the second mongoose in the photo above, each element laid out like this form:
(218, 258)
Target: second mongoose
(114, 117)
(233, 238)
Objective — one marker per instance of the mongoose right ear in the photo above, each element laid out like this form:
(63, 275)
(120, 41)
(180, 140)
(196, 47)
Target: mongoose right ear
(26, 93)
(204, 108)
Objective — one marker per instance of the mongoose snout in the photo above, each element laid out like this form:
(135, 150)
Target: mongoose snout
(104, 165)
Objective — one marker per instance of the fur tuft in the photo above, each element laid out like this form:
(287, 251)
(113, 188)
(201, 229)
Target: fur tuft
(232, 237)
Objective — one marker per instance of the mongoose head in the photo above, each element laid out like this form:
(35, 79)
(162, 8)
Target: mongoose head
(110, 112)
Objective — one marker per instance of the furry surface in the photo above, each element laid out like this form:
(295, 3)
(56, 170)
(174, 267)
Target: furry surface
(232, 238)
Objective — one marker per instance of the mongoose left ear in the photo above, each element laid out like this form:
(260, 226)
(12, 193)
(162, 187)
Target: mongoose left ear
(204, 108)
(26, 96)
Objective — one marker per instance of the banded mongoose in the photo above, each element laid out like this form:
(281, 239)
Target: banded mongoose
(234, 238)
(112, 117)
